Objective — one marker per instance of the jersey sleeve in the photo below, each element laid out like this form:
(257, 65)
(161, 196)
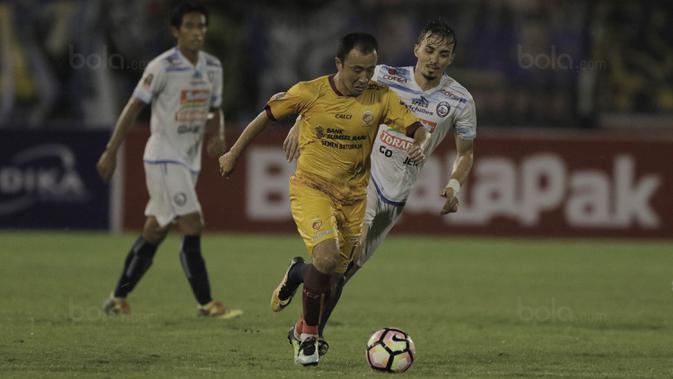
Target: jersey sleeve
(398, 116)
(289, 103)
(216, 98)
(377, 74)
(151, 83)
(466, 121)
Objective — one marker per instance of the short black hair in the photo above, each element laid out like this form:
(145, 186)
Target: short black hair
(364, 42)
(438, 27)
(186, 7)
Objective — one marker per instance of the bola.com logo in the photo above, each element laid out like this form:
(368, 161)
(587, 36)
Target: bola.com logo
(40, 174)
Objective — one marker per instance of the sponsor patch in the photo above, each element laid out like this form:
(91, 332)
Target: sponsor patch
(443, 109)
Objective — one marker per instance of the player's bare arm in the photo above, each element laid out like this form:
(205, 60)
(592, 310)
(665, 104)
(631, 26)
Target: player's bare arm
(417, 149)
(108, 160)
(461, 169)
(215, 133)
(228, 160)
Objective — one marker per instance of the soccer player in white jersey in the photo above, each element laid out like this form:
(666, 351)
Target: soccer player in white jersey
(441, 104)
(183, 85)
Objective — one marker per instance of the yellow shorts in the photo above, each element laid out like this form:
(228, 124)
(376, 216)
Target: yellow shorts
(319, 218)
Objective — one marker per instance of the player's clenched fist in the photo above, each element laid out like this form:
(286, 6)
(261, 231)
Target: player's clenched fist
(227, 163)
(106, 165)
(451, 204)
(415, 152)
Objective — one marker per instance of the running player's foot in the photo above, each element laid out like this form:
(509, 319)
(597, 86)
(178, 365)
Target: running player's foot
(323, 346)
(308, 352)
(282, 295)
(116, 306)
(216, 309)
(294, 341)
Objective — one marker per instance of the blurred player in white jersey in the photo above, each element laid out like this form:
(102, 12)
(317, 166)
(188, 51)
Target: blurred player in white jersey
(183, 85)
(441, 104)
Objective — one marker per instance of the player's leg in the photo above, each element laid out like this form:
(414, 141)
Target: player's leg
(137, 262)
(350, 218)
(159, 215)
(293, 277)
(317, 286)
(314, 214)
(380, 218)
(181, 188)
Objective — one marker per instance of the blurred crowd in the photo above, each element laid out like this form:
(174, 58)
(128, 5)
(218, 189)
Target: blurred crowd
(526, 62)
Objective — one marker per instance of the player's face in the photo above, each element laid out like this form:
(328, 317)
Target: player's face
(435, 54)
(355, 71)
(192, 31)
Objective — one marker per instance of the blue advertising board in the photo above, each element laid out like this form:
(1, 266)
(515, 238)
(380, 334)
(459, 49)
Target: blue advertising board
(48, 180)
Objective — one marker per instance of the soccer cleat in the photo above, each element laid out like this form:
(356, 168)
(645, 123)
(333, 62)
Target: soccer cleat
(282, 296)
(116, 306)
(294, 341)
(216, 309)
(323, 346)
(308, 352)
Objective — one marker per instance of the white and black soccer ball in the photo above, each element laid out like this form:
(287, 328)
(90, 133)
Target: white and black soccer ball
(390, 350)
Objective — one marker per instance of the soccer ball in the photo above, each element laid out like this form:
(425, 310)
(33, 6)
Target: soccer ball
(390, 350)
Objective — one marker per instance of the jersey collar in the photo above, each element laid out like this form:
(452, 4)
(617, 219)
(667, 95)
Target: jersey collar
(418, 88)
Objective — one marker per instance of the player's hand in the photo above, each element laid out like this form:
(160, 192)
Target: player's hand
(451, 204)
(416, 153)
(227, 164)
(291, 144)
(216, 147)
(106, 165)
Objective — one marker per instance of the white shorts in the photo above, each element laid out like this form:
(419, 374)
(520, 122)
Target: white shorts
(380, 217)
(171, 187)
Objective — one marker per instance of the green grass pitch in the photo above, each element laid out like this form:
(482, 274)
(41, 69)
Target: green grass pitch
(474, 307)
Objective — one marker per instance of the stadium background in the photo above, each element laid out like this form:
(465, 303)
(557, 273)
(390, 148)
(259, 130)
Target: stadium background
(574, 105)
(575, 139)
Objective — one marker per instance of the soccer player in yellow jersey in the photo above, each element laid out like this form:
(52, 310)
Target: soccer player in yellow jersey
(340, 115)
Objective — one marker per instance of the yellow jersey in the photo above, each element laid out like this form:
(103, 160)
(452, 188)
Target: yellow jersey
(337, 132)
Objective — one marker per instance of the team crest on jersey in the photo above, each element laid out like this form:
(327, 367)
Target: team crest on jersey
(180, 199)
(316, 224)
(443, 109)
(368, 117)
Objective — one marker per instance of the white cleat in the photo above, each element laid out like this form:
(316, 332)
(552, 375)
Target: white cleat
(308, 352)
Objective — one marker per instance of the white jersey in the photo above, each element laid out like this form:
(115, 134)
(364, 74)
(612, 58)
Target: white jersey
(181, 95)
(449, 104)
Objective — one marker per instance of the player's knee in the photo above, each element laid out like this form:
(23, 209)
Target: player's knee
(326, 256)
(190, 224)
(153, 232)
